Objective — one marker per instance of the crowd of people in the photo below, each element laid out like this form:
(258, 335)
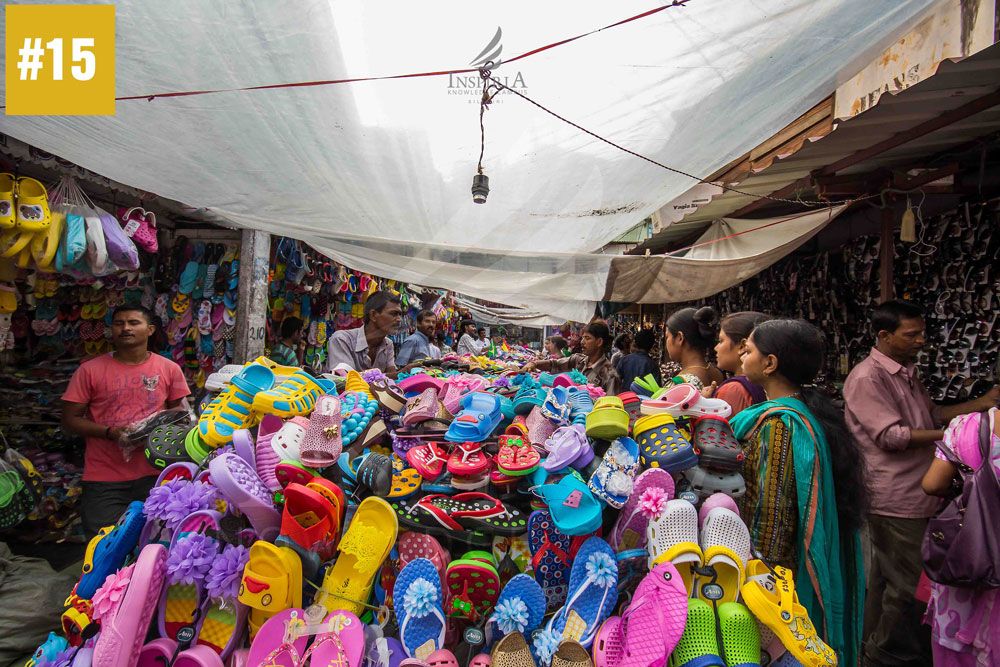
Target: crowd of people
(820, 479)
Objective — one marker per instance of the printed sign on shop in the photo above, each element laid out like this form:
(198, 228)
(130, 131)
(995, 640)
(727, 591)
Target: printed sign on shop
(954, 30)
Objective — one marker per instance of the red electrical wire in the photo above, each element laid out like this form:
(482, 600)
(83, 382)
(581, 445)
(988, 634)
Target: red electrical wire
(329, 82)
(734, 235)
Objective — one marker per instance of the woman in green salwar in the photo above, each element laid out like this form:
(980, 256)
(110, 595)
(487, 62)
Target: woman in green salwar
(806, 496)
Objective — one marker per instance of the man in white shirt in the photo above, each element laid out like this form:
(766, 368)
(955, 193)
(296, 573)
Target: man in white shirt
(468, 344)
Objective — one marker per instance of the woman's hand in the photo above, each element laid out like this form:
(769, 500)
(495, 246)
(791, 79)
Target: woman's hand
(709, 391)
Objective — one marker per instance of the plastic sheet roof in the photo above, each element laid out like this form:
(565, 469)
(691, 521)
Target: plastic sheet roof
(378, 172)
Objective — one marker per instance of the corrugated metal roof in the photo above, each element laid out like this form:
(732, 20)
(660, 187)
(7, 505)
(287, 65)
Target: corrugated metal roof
(954, 85)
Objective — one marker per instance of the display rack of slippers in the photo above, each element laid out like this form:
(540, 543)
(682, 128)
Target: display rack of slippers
(951, 271)
(197, 285)
(444, 519)
(65, 263)
(329, 297)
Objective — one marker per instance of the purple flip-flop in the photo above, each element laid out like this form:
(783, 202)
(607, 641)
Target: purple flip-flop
(243, 441)
(240, 485)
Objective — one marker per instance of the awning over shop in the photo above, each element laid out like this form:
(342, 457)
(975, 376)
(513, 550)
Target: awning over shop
(378, 172)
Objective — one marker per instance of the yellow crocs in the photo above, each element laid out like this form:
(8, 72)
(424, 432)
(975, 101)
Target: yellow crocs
(6, 201)
(357, 383)
(366, 544)
(770, 594)
(295, 397)
(33, 213)
(14, 242)
(272, 582)
(280, 372)
(44, 244)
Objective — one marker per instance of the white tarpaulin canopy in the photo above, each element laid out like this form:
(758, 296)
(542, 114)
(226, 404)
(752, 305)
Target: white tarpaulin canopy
(378, 172)
(729, 252)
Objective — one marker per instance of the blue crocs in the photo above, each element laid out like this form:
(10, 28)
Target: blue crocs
(478, 419)
(107, 552)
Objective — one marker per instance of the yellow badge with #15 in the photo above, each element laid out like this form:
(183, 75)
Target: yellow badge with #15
(60, 60)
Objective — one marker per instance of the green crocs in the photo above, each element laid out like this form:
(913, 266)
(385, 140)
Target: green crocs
(740, 635)
(699, 645)
(485, 557)
(195, 447)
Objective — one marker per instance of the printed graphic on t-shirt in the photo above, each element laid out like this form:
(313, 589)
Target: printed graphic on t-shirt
(131, 397)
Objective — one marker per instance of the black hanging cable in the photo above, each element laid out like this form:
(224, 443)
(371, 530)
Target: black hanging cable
(798, 200)
(481, 182)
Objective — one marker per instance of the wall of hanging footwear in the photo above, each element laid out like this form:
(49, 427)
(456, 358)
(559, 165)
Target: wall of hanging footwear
(328, 297)
(61, 277)
(952, 272)
(196, 294)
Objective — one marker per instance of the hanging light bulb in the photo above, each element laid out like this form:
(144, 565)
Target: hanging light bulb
(480, 188)
(908, 224)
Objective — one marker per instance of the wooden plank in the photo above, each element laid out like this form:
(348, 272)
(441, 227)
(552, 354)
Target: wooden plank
(894, 141)
(818, 121)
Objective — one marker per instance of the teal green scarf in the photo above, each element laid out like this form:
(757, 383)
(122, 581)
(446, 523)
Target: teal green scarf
(829, 579)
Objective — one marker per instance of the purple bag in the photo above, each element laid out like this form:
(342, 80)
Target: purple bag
(121, 249)
(962, 545)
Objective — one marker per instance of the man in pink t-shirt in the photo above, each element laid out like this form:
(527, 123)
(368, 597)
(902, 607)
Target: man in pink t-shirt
(105, 395)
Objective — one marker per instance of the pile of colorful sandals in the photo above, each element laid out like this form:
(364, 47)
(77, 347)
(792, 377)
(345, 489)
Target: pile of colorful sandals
(452, 517)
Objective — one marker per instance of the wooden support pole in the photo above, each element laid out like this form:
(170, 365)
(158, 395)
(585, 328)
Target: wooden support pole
(886, 286)
(251, 304)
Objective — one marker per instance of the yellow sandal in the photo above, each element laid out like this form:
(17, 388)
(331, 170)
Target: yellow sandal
(366, 544)
(770, 594)
(7, 187)
(33, 213)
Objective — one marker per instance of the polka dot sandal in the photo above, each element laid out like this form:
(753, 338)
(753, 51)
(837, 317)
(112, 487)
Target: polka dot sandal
(662, 445)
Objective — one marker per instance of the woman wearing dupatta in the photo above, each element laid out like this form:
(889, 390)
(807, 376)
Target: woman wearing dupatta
(805, 495)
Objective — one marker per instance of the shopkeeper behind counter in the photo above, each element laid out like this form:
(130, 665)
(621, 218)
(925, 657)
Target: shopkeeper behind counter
(369, 346)
(592, 362)
(105, 395)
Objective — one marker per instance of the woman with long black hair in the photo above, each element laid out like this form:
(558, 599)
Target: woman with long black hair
(806, 496)
(691, 333)
(738, 390)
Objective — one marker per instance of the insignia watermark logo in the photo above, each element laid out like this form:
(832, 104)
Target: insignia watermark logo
(471, 85)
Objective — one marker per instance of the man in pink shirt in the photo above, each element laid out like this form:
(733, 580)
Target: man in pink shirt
(896, 425)
(105, 395)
